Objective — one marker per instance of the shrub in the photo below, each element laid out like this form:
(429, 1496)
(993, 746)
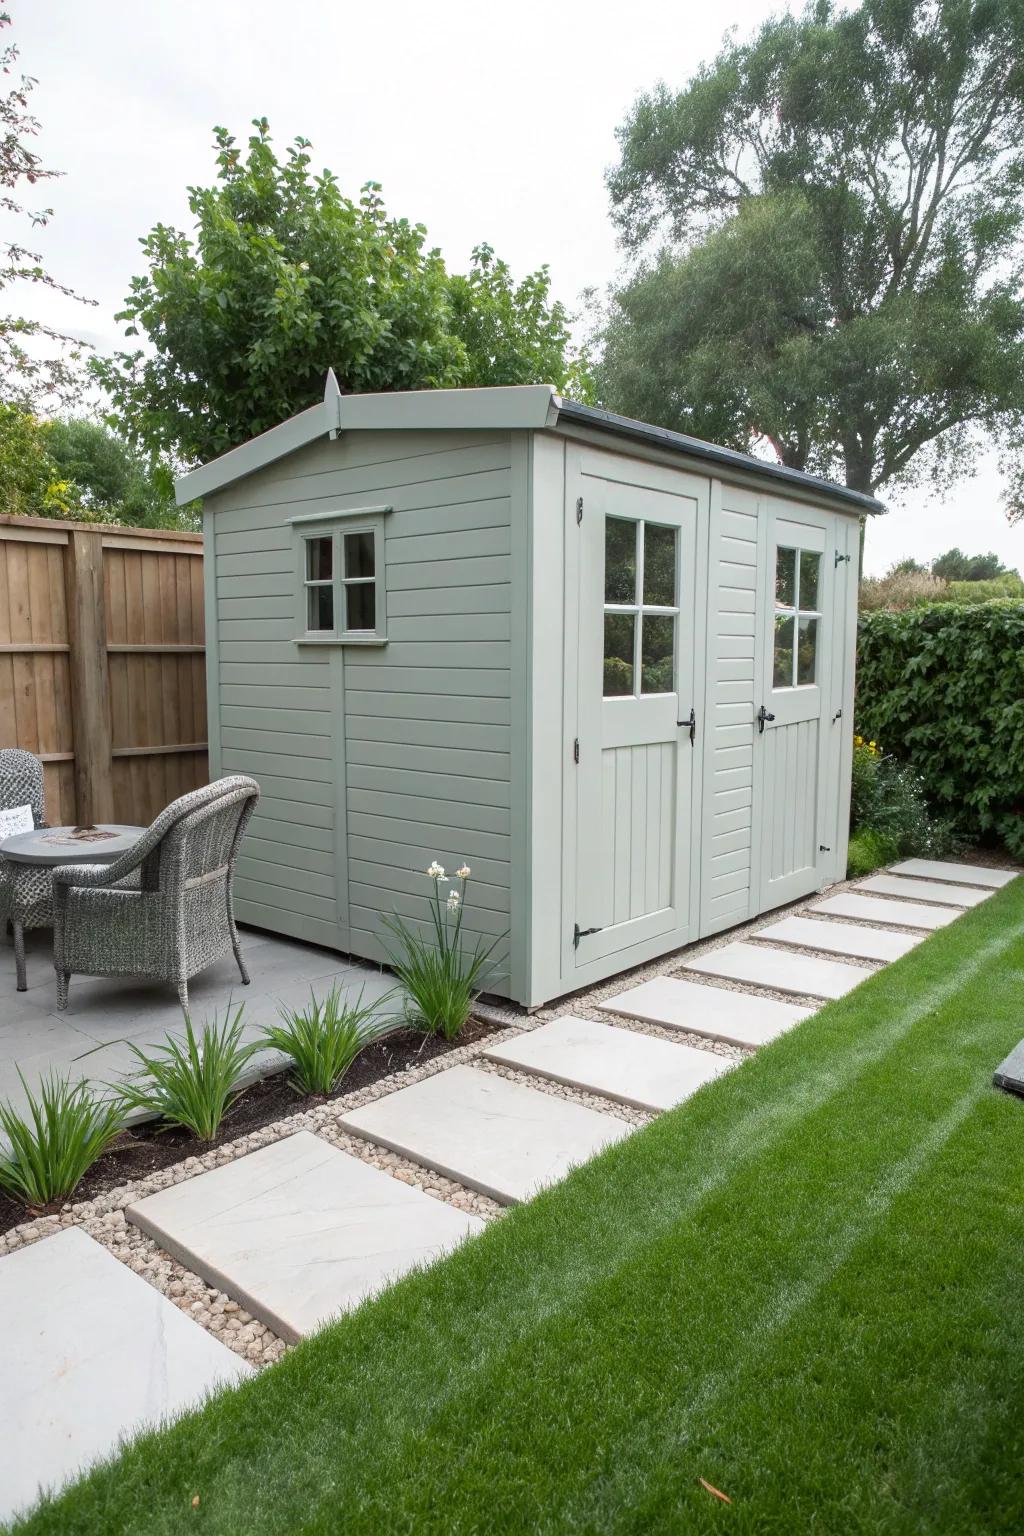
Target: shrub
(888, 799)
(51, 1149)
(441, 979)
(1008, 585)
(191, 1083)
(869, 851)
(324, 1039)
(943, 688)
(900, 589)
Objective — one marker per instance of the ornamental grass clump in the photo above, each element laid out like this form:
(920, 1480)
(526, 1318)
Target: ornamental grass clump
(441, 976)
(55, 1144)
(191, 1082)
(324, 1039)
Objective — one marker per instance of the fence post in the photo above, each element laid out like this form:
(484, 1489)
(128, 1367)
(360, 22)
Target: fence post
(90, 677)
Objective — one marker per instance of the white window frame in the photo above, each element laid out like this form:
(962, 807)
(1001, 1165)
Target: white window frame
(335, 524)
(639, 609)
(795, 612)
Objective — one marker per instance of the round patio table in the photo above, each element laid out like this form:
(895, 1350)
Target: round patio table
(49, 846)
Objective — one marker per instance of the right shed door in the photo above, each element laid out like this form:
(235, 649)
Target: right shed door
(800, 688)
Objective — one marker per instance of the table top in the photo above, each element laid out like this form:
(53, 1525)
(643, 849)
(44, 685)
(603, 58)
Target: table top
(71, 845)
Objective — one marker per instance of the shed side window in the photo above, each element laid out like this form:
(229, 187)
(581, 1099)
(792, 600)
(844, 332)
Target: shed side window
(340, 568)
(319, 585)
(797, 617)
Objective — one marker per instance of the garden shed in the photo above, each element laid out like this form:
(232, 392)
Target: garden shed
(609, 666)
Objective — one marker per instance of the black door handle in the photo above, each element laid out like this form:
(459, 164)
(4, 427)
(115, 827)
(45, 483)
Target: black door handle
(763, 715)
(692, 724)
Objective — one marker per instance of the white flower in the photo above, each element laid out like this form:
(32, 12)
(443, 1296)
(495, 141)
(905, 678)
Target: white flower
(464, 873)
(436, 871)
(453, 901)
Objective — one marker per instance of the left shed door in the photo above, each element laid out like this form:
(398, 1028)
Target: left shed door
(635, 604)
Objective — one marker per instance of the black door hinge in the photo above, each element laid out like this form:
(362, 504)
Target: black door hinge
(581, 933)
(837, 716)
(824, 848)
(579, 509)
(576, 749)
(840, 558)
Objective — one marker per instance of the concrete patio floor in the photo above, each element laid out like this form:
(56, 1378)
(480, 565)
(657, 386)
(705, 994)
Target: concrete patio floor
(106, 1015)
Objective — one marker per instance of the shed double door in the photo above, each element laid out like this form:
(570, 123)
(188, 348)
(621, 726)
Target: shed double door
(633, 546)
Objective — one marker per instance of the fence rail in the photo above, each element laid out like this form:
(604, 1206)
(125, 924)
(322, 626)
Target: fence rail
(102, 669)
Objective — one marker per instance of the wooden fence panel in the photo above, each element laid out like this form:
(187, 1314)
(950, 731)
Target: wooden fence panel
(102, 666)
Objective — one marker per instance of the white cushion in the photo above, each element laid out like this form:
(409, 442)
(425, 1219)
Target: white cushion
(18, 818)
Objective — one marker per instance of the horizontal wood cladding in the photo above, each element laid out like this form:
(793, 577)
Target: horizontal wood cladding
(426, 735)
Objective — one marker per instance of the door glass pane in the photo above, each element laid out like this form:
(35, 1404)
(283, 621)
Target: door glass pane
(320, 610)
(785, 578)
(659, 566)
(619, 561)
(619, 630)
(810, 565)
(782, 666)
(657, 644)
(318, 559)
(361, 605)
(359, 554)
(807, 651)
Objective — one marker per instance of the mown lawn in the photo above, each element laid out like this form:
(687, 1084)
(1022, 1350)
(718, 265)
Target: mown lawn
(805, 1286)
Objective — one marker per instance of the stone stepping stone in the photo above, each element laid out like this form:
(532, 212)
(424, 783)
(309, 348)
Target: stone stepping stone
(619, 1063)
(499, 1137)
(957, 874)
(923, 890)
(92, 1354)
(737, 1018)
(839, 938)
(764, 967)
(1009, 1075)
(876, 909)
(300, 1231)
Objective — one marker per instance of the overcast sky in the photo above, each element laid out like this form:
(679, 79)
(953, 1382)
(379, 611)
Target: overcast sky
(486, 123)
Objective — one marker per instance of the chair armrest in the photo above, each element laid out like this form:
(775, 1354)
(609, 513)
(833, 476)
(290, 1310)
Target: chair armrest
(86, 874)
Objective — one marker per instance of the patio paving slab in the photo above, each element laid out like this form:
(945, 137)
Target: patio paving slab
(736, 1018)
(839, 938)
(1009, 1075)
(923, 890)
(91, 1354)
(619, 1063)
(764, 967)
(962, 874)
(299, 1231)
(877, 909)
(496, 1136)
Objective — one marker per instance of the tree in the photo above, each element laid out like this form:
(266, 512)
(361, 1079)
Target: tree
(28, 377)
(286, 278)
(115, 479)
(512, 332)
(31, 482)
(839, 203)
(954, 565)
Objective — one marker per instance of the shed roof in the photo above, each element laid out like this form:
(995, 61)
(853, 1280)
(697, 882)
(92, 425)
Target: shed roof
(515, 408)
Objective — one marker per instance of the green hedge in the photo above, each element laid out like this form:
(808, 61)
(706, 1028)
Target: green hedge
(942, 688)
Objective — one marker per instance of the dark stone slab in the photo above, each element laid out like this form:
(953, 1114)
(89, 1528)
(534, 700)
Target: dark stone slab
(1010, 1073)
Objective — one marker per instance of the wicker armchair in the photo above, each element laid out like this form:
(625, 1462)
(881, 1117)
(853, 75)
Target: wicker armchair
(163, 909)
(26, 894)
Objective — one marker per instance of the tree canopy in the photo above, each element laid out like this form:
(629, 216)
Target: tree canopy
(286, 277)
(38, 363)
(826, 227)
(954, 565)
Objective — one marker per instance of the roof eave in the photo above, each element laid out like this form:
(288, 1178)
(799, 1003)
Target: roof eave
(571, 412)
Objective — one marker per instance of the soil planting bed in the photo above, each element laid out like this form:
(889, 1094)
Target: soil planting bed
(143, 1149)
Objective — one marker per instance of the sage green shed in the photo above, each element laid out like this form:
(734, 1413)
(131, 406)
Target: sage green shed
(608, 666)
